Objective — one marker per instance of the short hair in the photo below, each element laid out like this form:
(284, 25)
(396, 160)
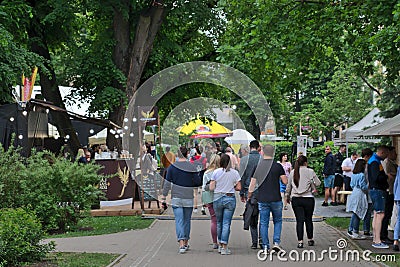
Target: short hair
(382, 147)
(182, 152)
(269, 150)
(167, 148)
(228, 149)
(391, 148)
(245, 148)
(254, 144)
(354, 153)
(359, 167)
(366, 152)
(282, 155)
(342, 146)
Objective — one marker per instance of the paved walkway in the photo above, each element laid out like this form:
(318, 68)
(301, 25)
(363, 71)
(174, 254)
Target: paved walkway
(157, 246)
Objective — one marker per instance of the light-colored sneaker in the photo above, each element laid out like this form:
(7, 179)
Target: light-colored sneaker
(195, 210)
(182, 250)
(219, 249)
(225, 251)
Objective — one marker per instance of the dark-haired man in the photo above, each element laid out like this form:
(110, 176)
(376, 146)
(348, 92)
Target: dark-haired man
(248, 165)
(267, 176)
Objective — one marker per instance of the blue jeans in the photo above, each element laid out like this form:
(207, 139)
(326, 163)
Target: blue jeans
(224, 207)
(183, 209)
(378, 198)
(355, 221)
(265, 209)
(397, 225)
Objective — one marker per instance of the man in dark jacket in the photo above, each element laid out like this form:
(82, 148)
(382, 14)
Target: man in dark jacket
(329, 177)
(339, 158)
(248, 165)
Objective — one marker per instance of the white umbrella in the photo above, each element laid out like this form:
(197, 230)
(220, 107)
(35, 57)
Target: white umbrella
(239, 137)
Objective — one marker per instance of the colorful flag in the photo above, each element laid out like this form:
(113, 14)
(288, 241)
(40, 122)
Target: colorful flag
(28, 84)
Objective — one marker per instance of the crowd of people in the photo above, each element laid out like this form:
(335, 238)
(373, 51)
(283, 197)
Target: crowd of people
(371, 182)
(263, 185)
(267, 187)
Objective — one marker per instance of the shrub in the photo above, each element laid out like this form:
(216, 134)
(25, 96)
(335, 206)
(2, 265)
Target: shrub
(56, 189)
(20, 235)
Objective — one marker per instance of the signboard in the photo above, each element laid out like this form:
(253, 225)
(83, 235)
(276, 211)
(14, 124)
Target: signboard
(301, 145)
(148, 115)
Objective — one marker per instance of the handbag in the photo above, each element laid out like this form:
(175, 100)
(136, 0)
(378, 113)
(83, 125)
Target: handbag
(314, 189)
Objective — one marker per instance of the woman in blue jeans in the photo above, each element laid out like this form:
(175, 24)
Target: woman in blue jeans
(224, 182)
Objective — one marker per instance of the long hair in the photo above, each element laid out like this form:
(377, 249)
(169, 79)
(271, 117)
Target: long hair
(359, 167)
(225, 162)
(301, 160)
(214, 162)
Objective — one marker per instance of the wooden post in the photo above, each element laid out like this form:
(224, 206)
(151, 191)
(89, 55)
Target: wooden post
(141, 168)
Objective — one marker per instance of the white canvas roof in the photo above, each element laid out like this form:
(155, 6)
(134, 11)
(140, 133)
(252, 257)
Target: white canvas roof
(389, 127)
(352, 134)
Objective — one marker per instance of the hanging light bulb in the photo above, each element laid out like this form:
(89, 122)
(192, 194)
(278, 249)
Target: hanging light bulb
(24, 113)
(126, 127)
(131, 134)
(20, 136)
(125, 119)
(134, 119)
(91, 131)
(12, 119)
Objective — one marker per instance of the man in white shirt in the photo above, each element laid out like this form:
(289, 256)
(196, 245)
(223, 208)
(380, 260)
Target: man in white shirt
(347, 167)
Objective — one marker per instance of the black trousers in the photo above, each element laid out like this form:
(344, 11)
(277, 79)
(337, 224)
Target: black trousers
(303, 208)
(388, 215)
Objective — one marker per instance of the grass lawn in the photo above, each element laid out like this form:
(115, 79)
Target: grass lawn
(64, 259)
(106, 225)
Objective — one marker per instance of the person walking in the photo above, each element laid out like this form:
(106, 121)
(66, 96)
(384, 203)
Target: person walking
(207, 196)
(181, 178)
(302, 181)
(357, 201)
(248, 165)
(378, 184)
(224, 182)
(329, 177)
(287, 166)
(267, 175)
(396, 191)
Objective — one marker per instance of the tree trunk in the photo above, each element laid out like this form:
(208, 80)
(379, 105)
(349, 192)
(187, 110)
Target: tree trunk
(149, 24)
(50, 91)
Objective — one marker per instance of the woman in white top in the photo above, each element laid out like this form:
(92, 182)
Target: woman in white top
(207, 196)
(299, 191)
(224, 182)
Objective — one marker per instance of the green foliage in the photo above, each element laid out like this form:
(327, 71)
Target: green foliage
(55, 188)
(20, 236)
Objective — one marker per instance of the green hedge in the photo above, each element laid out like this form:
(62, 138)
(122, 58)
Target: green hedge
(20, 235)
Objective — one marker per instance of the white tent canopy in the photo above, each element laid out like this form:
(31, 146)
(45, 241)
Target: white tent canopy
(389, 127)
(352, 134)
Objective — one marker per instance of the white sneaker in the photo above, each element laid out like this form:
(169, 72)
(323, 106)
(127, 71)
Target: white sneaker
(195, 210)
(225, 251)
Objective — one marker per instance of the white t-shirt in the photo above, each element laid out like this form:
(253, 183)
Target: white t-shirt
(349, 162)
(225, 181)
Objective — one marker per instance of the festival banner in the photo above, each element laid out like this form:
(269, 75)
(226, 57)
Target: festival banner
(27, 85)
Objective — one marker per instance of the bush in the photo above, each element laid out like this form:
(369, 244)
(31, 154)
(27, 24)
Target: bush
(20, 235)
(56, 189)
